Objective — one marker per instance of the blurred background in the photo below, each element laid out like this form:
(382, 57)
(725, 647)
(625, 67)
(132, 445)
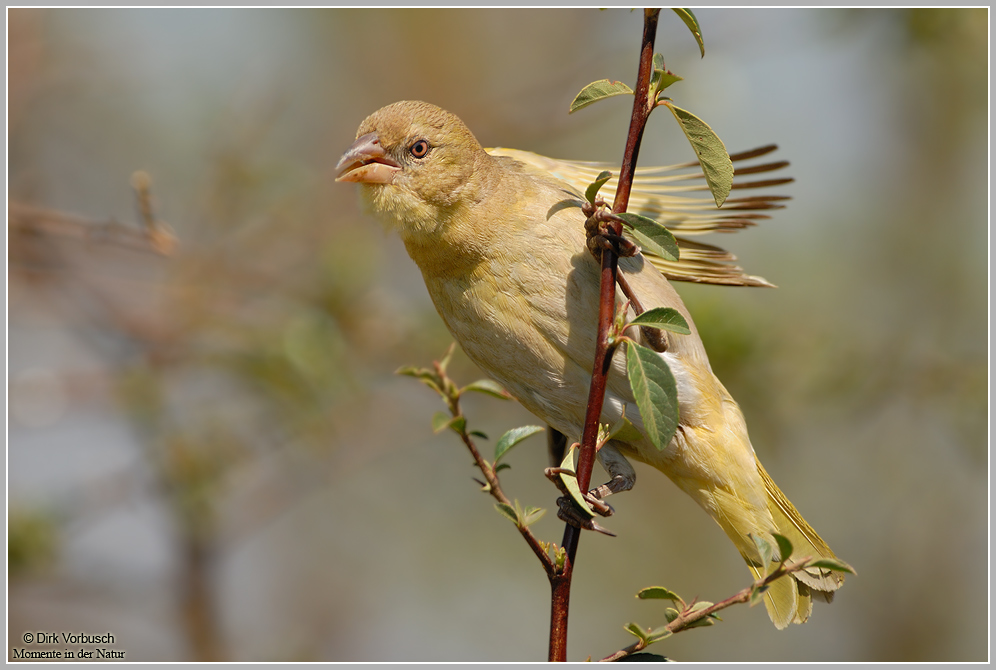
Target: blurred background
(210, 456)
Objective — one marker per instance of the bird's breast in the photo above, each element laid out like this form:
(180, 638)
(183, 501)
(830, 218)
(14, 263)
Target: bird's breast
(524, 315)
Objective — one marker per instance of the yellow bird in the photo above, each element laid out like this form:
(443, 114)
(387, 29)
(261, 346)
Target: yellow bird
(515, 284)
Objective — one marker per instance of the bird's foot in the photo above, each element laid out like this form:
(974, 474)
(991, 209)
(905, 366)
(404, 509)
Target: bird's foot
(600, 235)
(568, 509)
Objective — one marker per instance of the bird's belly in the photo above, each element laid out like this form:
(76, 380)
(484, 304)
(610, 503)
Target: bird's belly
(516, 325)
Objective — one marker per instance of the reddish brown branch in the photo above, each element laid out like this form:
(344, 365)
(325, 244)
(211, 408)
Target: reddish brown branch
(561, 584)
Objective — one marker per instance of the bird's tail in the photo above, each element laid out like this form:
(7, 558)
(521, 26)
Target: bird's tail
(790, 599)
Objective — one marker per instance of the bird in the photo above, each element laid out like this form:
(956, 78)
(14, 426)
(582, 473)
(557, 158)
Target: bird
(510, 275)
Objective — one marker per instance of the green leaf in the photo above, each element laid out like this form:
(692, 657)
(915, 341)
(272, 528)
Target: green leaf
(715, 161)
(559, 557)
(502, 466)
(655, 391)
(708, 620)
(652, 237)
(636, 630)
(512, 438)
(764, 548)
(665, 318)
(508, 512)
(603, 433)
(784, 546)
(477, 433)
(571, 482)
(658, 634)
(424, 375)
(832, 564)
(693, 25)
(624, 431)
(592, 191)
(668, 78)
(656, 74)
(757, 594)
(487, 387)
(661, 78)
(659, 592)
(441, 421)
(704, 621)
(596, 90)
(532, 515)
(670, 614)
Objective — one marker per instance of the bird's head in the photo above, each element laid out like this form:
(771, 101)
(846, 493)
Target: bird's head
(416, 163)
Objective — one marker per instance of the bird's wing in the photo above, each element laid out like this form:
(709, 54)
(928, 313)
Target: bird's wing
(678, 197)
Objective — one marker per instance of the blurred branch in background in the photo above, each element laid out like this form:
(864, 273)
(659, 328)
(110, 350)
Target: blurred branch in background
(218, 351)
(27, 220)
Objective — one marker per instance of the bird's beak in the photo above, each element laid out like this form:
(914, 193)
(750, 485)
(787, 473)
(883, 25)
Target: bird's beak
(367, 162)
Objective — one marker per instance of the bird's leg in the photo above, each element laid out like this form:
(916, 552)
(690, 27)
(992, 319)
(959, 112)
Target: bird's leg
(622, 477)
(621, 473)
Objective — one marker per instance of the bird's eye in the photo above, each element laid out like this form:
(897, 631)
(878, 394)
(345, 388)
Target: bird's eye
(419, 149)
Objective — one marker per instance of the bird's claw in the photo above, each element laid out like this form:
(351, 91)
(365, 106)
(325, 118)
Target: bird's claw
(616, 243)
(601, 236)
(568, 511)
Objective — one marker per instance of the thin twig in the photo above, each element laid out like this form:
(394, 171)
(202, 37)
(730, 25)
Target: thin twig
(688, 617)
(450, 393)
(494, 488)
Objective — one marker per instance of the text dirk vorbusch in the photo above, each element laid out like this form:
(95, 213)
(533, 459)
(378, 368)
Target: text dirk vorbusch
(68, 638)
